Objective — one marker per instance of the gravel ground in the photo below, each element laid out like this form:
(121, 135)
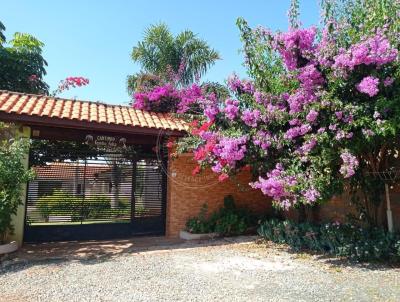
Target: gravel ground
(218, 270)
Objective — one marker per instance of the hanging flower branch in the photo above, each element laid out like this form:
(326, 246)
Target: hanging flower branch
(70, 82)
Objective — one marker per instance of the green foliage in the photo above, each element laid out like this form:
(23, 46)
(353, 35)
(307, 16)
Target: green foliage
(142, 81)
(22, 66)
(219, 90)
(44, 151)
(61, 203)
(12, 177)
(230, 220)
(342, 240)
(200, 224)
(2, 36)
(161, 54)
(58, 203)
(397, 247)
(227, 221)
(361, 18)
(263, 64)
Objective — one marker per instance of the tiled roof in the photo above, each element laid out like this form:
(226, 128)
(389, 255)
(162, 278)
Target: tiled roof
(30, 105)
(62, 171)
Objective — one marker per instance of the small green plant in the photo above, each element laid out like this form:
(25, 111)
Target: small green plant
(227, 221)
(200, 224)
(230, 220)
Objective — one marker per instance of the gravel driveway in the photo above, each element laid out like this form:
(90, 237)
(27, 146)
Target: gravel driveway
(219, 270)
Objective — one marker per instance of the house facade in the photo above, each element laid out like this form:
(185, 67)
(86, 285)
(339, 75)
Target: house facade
(104, 171)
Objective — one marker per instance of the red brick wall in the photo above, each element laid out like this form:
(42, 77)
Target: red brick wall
(338, 208)
(187, 193)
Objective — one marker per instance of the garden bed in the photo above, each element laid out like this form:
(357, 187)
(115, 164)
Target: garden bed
(339, 240)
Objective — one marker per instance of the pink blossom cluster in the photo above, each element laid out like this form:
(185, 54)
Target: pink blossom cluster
(189, 97)
(376, 50)
(295, 46)
(349, 165)
(296, 131)
(311, 195)
(237, 85)
(310, 77)
(251, 117)
(169, 98)
(147, 100)
(72, 82)
(231, 108)
(307, 146)
(369, 85)
(66, 84)
(230, 150)
(263, 139)
(312, 116)
(276, 185)
(299, 99)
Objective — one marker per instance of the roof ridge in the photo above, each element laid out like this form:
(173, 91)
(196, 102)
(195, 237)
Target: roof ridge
(63, 99)
(37, 106)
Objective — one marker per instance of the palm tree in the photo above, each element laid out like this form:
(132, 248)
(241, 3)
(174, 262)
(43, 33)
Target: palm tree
(179, 58)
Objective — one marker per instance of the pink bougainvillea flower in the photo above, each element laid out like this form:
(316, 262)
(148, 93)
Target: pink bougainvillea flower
(33, 78)
(368, 85)
(196, 170)
(222, 177)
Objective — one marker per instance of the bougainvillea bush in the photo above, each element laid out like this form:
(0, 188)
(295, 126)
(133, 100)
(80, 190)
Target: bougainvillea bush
(318, 111)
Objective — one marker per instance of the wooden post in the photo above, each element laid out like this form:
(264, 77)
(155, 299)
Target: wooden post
(388, 209)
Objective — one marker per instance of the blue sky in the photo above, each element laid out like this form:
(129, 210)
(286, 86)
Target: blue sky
(94, 38)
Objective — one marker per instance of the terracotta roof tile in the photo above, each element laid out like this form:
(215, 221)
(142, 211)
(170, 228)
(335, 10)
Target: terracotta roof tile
(20, 104)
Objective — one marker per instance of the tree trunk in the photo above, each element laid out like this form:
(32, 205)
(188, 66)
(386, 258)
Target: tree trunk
(301, 211)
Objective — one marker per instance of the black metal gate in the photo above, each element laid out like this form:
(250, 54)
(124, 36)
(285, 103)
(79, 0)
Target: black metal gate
(91, 194)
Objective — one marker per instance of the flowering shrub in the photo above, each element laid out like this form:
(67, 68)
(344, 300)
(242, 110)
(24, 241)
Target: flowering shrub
(343, 240)
(319, 112)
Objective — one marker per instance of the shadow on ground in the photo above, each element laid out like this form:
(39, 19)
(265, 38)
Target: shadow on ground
(92, 252)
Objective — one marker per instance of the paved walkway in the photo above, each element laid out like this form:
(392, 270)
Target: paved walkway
(156, 269)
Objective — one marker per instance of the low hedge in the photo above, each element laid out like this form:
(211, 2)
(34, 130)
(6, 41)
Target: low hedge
(342, 240)
(92, 207)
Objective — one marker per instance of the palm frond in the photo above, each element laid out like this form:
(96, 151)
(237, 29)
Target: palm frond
(161, 53)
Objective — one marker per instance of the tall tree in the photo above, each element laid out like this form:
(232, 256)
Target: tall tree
(179, 58)
(22, 66)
